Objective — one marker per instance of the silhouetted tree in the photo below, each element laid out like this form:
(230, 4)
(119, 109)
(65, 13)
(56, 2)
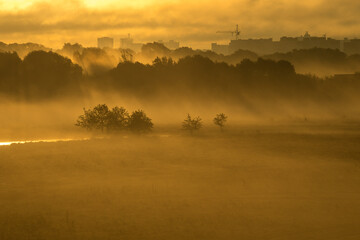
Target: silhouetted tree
(96, 118)
(220, 120)
(182, 52)
(115, 120)
(48, 74)
(192, 124)
(96, 61)
(10, 66)
(118, 119)
(22, 49)
(68, 50)
(317, 60)
(163, 62)
(139, 123)
(155, 49)
(127, 55)
(240, 55)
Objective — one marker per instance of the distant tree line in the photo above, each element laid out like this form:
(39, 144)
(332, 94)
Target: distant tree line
(39, 75)
(45, 75)
(22, 49)
(94, 60)
(319, 61)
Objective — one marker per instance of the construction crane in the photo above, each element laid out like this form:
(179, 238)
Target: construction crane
(236, 32)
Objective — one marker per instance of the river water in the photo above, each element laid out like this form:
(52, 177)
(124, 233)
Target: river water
(41, 140)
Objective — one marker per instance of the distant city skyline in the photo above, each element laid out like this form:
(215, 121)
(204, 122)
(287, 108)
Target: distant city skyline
(118, 42)
(193, 23)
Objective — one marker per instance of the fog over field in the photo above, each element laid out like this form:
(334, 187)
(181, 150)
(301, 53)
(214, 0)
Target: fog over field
(151, 141)
(253, 183)
(192, 148)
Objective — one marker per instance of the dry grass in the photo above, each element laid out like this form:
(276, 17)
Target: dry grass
(255, 183)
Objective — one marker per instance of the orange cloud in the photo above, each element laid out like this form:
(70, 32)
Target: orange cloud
(193, 23)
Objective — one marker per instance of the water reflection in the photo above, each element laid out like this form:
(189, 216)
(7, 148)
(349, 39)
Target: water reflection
(41, 140)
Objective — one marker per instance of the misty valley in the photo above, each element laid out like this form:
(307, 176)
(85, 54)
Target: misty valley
(178, 144)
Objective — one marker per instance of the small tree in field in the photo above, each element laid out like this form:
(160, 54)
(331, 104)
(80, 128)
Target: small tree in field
(139, 122)
(220, 120)
(97, 118)
(192, 124)
(115, 120)
(118, 119)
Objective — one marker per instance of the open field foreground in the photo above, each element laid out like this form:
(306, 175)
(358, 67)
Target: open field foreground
(263, 184)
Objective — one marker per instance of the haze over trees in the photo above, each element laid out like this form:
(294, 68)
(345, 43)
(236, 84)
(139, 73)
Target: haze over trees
(115, 120)
(22, 49)
(39, 75)
(138, 122)
(192, 124)
(253, 84)
(320, 61)
(220, 120)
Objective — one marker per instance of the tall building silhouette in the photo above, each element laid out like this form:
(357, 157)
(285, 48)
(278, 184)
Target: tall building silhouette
(105, 42)
(128, 43)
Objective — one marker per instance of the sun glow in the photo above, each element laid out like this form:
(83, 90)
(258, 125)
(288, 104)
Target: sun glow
(23, 4)
(115, 3)
(15, 4)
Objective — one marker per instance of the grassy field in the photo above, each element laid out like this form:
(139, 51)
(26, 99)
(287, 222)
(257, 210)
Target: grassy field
(289, 182)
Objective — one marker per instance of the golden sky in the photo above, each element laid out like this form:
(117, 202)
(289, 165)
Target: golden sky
(193, 23)
(23, 4)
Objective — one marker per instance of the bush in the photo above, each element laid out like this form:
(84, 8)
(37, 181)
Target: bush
(220, 120)
(115, 120)
(139, 122)
(97, 118)
(118, 119)
(192, 124)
